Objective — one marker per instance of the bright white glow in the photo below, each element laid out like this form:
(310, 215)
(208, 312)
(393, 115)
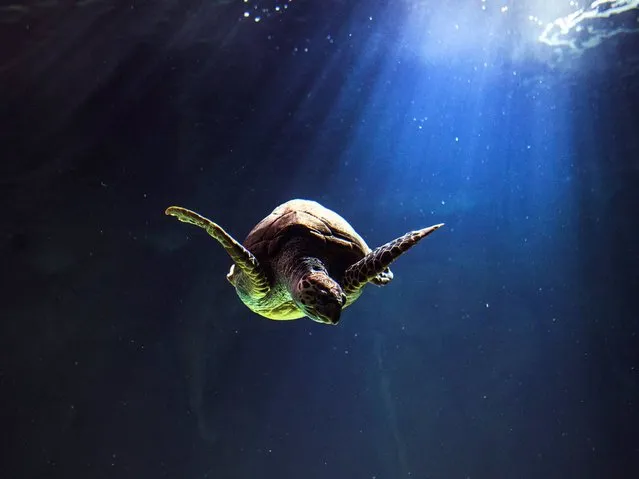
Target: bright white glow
(517, 31)
(587, 28)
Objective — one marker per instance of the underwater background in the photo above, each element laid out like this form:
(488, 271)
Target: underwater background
(507, 346)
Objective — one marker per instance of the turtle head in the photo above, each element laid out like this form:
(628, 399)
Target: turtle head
(319, 296)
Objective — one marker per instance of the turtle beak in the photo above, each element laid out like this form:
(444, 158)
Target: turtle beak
(332, 313)
(327, 310)
(330, 305)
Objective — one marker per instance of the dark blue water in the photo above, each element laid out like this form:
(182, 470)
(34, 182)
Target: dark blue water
(505, 347)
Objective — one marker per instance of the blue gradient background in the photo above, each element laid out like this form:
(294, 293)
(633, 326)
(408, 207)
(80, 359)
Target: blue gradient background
(505, 347)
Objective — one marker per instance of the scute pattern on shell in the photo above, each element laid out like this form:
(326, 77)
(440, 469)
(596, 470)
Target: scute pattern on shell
(322, 229)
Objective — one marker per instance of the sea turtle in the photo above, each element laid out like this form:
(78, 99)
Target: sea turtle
(303, 260)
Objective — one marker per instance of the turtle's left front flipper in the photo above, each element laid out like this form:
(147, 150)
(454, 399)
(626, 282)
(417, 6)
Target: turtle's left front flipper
(242, 257)
(379, 259)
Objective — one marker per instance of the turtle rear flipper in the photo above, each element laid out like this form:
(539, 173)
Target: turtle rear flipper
(377, 261)
(243, 258)
(383, 278)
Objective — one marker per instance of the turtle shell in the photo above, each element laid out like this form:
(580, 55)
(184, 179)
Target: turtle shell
(324, 233)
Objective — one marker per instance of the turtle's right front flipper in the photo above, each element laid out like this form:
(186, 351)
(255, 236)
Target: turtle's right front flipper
(242, 257)
(374, 263)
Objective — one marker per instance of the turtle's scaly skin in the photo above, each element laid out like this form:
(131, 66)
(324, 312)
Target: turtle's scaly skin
(303, 260)
(366, 269)
(236, 251)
